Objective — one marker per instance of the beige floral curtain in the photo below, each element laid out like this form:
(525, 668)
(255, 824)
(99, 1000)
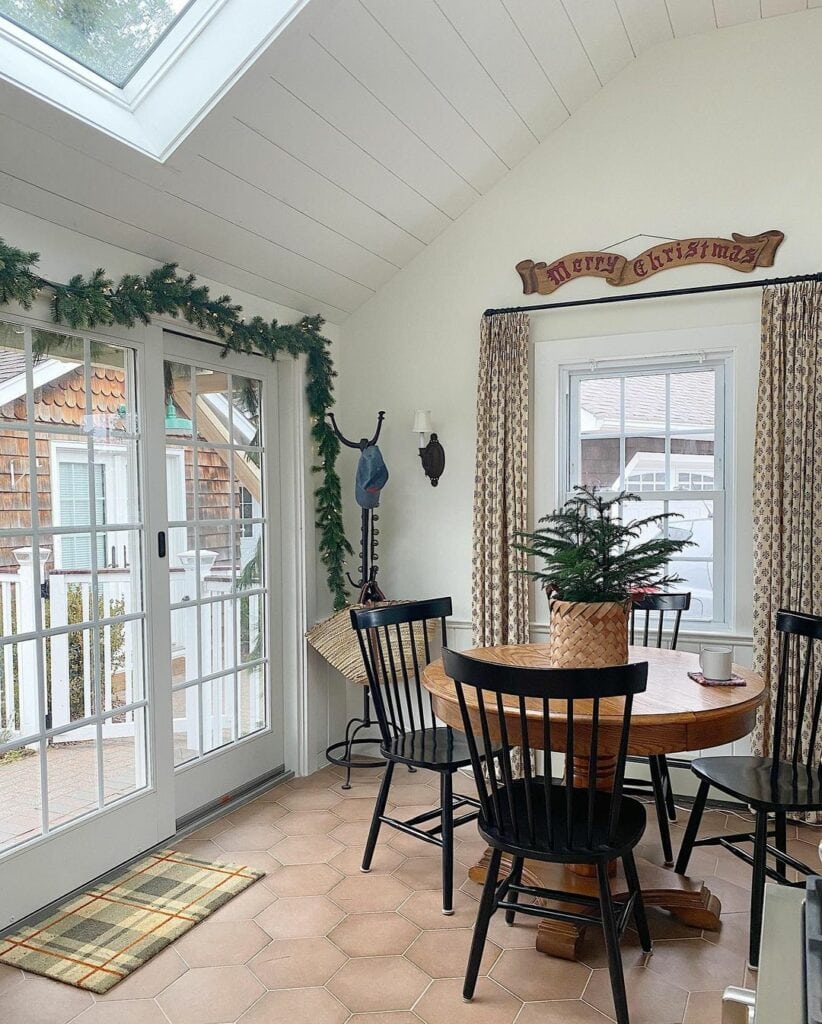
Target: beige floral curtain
(499, 593)
(787, 499)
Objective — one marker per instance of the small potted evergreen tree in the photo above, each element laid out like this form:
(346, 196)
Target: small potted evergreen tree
(592, 565)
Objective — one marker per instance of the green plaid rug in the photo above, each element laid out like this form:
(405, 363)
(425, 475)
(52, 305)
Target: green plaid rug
(96, 939)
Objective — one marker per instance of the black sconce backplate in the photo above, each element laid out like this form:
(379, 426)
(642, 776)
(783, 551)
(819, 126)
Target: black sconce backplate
(432, 457)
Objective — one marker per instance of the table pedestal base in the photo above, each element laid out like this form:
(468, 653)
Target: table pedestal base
(686, 898)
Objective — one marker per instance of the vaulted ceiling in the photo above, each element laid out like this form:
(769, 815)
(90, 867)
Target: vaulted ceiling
(362, 132)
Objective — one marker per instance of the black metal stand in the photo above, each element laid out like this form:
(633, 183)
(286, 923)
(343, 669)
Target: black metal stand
(342, 753)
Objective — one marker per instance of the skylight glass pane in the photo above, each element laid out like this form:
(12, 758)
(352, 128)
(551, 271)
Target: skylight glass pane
(109, 37)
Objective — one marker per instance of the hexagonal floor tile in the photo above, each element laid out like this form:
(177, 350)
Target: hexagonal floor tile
(566, 1011)
(309, 800)
(303, 879)
(424, 908)
(444, 953)
(308, 823)
(651, 999)
(151, 978)
(356, 809)
(389, 1017)
(367, 893)
(443, 1004)
(255, 813)
(532, 975)
(39, 1001)
(374, 934)
(210, 995)
(306, 849)
(246, 905)
(368, 984)
(414, 793)
(349, 861)
(127, 1011)
(258, 859)
(9, 976)
(297, 963)
(248, 837)
(698, 966)
(359, 790)
(297, 1006)
(522, 934)
(351, 833)
(299, 917)
(421, 872)
(221, 943)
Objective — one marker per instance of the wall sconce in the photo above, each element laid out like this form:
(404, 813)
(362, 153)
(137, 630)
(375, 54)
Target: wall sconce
(432, 454)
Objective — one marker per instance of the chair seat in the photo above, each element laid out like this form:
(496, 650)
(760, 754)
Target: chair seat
(750, 779)
(565, 848)
(436, 748)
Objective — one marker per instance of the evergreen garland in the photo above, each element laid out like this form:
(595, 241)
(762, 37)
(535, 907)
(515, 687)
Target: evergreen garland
(97, 302)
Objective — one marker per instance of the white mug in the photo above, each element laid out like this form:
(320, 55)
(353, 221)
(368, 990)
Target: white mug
(716, 662)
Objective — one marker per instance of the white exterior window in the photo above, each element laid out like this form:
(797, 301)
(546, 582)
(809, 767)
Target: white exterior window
(658, 431)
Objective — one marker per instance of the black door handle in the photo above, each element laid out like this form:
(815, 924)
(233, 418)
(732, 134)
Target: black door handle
(161, 544)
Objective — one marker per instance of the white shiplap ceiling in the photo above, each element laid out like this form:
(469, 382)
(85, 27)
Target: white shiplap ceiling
(361, 133)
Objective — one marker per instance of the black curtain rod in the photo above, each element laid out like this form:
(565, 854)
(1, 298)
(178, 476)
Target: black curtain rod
(636, 296)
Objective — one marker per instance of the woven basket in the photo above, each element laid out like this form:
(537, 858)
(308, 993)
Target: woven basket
(336, 640)
(589, 635)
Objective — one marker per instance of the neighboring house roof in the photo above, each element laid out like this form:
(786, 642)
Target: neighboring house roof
(12, 364)
(692, 402)
(60, 393)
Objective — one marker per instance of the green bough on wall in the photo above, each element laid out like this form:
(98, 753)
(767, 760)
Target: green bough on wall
(97, 302)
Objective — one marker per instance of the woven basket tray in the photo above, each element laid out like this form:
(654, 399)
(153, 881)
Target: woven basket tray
(336, 640)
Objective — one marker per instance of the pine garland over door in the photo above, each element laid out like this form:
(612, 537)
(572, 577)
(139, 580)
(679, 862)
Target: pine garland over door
(97, 302)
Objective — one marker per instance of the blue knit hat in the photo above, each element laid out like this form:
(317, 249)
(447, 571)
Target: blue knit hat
(372, 476)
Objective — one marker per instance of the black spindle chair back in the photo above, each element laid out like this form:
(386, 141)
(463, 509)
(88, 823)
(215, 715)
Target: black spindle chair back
(395, 641)
(800, 661)
(504, 707)
(658, 604)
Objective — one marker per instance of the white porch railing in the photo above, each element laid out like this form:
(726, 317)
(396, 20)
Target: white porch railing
(68, 655)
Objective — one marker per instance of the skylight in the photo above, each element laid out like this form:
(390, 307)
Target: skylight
(109, 37)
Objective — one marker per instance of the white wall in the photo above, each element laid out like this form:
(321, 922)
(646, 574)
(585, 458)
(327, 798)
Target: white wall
(706, 135)
(64, 253)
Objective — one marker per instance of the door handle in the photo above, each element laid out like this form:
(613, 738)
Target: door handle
(161, 544)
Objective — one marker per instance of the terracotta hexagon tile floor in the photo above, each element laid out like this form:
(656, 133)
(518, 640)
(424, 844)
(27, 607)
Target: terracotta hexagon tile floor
(319, 942)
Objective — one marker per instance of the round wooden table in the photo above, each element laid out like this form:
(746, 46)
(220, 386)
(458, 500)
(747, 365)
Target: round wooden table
(675, 714)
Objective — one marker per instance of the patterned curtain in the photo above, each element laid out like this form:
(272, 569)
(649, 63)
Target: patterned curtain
(499, 593)
(787, 499)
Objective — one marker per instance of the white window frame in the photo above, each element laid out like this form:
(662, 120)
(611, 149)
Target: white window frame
(722, 498)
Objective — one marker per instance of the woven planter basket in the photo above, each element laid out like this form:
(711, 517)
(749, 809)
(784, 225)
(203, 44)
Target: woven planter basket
(336, 640)
(589, 635)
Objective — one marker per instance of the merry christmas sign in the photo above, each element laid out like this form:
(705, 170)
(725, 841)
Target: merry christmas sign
(739, 252)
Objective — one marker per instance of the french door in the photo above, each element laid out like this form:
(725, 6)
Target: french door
(223, 581)
(138, 586)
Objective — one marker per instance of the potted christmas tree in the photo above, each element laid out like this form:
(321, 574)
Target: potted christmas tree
(592, 565)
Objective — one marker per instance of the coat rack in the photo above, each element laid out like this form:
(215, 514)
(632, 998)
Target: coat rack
(341, 753)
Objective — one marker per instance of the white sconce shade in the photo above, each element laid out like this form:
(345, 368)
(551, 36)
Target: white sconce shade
(422, 421)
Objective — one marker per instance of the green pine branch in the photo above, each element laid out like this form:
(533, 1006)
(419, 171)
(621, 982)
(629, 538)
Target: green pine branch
(96, 301)
(587, 553)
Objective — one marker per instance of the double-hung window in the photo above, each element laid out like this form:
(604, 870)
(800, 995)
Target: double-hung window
(658, 431)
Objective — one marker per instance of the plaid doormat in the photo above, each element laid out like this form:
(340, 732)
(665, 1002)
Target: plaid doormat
(96, 939)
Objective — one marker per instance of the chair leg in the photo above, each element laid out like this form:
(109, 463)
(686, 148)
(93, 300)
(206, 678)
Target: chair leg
(379, 811)
(640, 918)
(447, 803)
(781, 842)
(669, 790)
(487, 906)
(661, 809)
(609, 926)
(516, 879)
(692, 829)
(760, 857)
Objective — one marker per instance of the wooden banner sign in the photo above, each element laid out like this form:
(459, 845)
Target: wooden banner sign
(739, 252)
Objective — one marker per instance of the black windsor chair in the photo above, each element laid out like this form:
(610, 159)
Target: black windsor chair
(770, 785)
(546, 819)
(658, 765)
(395, 645)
